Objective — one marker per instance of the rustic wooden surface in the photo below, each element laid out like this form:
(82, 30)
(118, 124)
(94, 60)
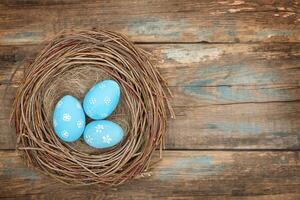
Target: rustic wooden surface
(180, 175)
(233, 67)
(225, 95)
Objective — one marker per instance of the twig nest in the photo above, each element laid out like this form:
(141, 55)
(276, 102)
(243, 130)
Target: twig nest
(70, 65)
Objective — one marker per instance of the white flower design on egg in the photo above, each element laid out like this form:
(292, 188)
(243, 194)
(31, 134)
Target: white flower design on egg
(99, 128)
(107, 100)
(79, 124)
(106, 139)
(89, 139)
(93, 101)
(67, 117)
(65, 134)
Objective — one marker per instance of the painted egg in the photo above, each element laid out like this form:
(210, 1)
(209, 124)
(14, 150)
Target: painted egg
(103, 134)
(102, 99)
(68, 119)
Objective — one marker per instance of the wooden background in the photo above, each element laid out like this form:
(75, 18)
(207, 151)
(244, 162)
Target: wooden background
(234, 69)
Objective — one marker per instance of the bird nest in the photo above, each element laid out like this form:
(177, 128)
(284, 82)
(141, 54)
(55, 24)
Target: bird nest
(71, 64)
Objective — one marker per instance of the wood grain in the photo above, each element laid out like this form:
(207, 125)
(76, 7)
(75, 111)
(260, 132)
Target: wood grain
(232, 126)
(180, 175)
(154, 21)
(195, 64)
(226, 96)
(233, 68)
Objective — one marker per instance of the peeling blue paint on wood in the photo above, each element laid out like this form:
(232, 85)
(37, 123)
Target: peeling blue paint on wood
(213, 32)
(206, 34)
(281, 133)
(21, 37)
(224, 93)
(193, 54)
(224, 78)
(237, 74)
(268, 33)
(233, 128)
(21, 172)
(156, 27)
(242, 94)
(193, 167)
(248, 128)
(228, 93)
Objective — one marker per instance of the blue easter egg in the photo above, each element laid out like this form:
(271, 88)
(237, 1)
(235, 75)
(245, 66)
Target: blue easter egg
(68, 119)
(102, 99)
(103, 134)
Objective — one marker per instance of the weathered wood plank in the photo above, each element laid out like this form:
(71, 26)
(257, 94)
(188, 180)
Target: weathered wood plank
(180, 175)
(226, 96)
(256, 72)
(271, 125)
(236, 126)
(154, 21)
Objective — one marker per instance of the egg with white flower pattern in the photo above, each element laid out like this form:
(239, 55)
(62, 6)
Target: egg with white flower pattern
(102, 99)
(68, 119)
(103, 134)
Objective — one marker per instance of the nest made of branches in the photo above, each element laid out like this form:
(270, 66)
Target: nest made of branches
(71, 64)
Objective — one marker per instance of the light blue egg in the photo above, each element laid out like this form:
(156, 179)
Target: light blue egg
(102, 99)
(103, 134)
(68, 119)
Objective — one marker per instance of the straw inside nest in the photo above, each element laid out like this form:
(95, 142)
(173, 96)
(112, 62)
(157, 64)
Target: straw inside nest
(71, 64)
